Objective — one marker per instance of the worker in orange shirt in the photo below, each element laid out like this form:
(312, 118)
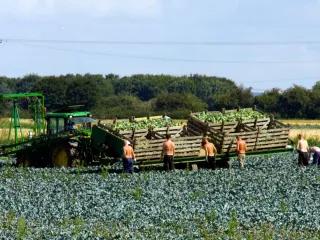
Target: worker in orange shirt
(128, 157)
(211, 151)
(168, 150)
(241, 151)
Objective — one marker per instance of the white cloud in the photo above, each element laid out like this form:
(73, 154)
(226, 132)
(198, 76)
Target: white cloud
(97, 8)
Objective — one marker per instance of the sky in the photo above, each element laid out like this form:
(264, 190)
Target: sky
(260, 44)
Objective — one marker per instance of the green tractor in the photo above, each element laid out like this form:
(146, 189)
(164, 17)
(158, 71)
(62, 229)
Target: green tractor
(68, 137)
(64, 144)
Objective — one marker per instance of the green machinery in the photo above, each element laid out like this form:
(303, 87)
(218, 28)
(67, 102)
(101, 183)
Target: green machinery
(61, 139)
(67, 142)
(35, 102)
(67, 138)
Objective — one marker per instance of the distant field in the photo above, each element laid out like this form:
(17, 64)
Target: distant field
(308, 128)
(307, 133)
(301, 122)
(25, 123)
(26, 127)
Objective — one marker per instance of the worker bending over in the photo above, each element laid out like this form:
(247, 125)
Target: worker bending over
(210, 151)
(168, 150)
(128, 157)
(316, 155)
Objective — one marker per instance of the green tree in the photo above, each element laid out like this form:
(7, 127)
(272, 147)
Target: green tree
(7, 85)
(269, 100)
(88, 89)
(294, 102)
(54, 90)
(28, 83)
(121, 107)
(313, 108)
(231, 98)
(178, 105)
(182, 85)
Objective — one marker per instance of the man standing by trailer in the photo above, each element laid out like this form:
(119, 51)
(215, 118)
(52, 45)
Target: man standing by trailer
(303, 150)
(241, 151)
(128, 157)
(168, 150)
(211, 151)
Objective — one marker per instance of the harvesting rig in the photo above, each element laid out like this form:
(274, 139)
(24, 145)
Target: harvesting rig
(58, 139)
(68, 137)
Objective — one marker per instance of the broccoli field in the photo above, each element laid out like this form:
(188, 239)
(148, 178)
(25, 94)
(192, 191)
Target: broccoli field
(233, 116)
(270, 199)
(144, 124)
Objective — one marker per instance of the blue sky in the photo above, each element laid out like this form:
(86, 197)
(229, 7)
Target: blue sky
(259, 66)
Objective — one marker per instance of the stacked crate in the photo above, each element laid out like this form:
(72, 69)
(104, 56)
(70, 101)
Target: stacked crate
(260, 134)
(147, 143)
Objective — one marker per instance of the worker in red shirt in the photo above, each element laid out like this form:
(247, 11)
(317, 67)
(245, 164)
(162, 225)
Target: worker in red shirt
(168, 150)
(241, 151)
(128, 157)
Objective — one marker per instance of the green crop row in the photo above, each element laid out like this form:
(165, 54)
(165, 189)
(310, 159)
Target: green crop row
(271, 198)
(144, 124)
(218, 117)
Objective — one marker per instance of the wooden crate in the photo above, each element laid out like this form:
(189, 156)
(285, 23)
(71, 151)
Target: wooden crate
(259, 134)
(154, 133)
(258, 140)
(148, 151)
(197, 127)
(147, 133)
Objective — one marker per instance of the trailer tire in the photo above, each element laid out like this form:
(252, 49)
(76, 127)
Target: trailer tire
(23, 160)
(61, 157)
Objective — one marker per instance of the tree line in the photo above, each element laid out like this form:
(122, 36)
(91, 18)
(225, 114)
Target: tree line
(109, 96)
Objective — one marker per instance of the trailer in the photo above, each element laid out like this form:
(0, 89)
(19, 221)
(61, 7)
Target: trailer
(71, 137)
(260, 134)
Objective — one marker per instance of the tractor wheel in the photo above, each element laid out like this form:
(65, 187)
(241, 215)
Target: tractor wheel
(60, 157)
(23, 160)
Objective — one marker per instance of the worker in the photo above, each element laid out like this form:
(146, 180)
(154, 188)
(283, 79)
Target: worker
(168, 151)
(241, 151)
(128, 157)
(210, 151)
(303, 151)
(316, 155)
(70, 126)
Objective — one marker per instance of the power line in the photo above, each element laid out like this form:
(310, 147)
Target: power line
(170, 59)
(187, 43)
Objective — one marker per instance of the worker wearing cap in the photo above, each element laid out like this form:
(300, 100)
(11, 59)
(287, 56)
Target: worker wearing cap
(241, 151)
(128, 157)
(168, 150)
(211, 151)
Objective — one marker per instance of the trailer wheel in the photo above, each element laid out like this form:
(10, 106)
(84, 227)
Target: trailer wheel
(23, 160)
(61, 157)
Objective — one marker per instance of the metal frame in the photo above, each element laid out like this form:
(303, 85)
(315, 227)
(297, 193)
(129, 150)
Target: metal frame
(38, 113)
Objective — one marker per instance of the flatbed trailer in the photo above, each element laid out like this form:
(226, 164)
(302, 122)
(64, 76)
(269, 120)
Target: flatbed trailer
(222, 158)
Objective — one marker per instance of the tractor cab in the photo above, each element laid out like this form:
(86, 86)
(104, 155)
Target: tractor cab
(60, 122)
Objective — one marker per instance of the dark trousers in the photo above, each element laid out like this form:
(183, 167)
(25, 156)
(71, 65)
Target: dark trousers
(303, 159)
(168, 162)
(212, 162)
(316, 158)
(128, 165)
